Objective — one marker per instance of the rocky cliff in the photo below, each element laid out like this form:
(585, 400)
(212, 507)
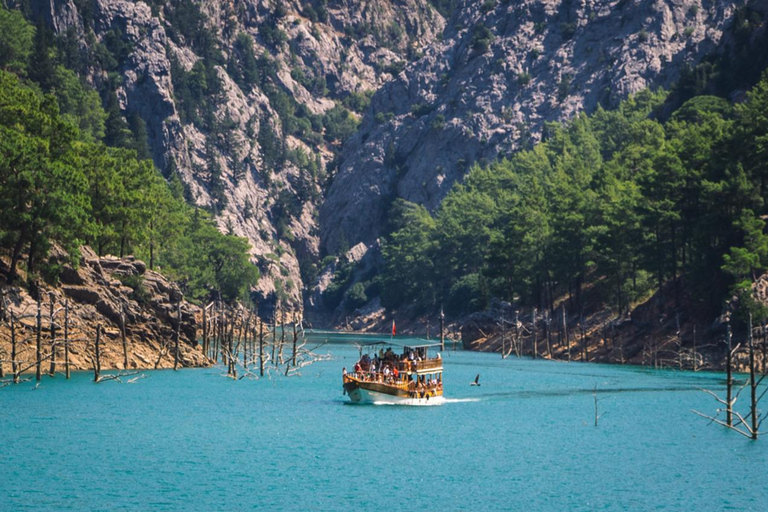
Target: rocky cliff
(298, 122)
(234, 96)
(501, 71)
(96, 293)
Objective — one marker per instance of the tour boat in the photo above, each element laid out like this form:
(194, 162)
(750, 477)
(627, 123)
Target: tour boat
(410, 378)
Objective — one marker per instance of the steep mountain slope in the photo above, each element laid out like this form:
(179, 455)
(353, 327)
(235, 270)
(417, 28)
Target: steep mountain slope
(259, 105)
(501, 71)
(242, 99)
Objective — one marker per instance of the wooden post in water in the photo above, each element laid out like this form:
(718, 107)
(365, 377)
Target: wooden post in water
(177, 333)
(66, 339)
(14, 364)
(52, 369)
(261, 348)
(97, 361)
(729, 377)
(39, 350)
(122, 335)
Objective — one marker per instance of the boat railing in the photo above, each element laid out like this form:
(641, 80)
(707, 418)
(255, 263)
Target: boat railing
(389, 380)
(425, 364)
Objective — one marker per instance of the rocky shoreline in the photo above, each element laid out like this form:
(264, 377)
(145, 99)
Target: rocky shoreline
(107, 292)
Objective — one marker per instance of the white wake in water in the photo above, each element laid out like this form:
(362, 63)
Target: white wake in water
(460, 400)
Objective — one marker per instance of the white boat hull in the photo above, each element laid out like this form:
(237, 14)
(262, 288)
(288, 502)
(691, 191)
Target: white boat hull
(366, 396)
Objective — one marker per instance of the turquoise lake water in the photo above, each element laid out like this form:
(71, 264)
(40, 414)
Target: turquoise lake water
(523, 440)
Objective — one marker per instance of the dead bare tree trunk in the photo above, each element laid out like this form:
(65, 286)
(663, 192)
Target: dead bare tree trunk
(176, 334)
(225, 320)
(261, 348)
(122, 335)
(729, 379)
(752, 385)
(231, 359)
(52, 369)
(274, 338)
(535, 341)
(219, 332)
(245, 342)
(14, 363)
(547, 324)
(295, 337)
(503, 335)
(594, 395)
(679, 343)
(695, 354)
(205, 330)
(3, 315)
(66, 339)
(282, 336)
(97, 361)
(442, 330)
(765, 344)
(239, 341)
(566, 341)
(39, 350)
(744, 426)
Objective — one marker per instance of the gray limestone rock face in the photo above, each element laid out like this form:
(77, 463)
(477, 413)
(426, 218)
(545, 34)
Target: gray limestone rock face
(491, 83)
(351, 46)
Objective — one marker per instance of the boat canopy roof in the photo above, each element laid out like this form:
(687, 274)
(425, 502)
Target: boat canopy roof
(399, 343)
(421, 345)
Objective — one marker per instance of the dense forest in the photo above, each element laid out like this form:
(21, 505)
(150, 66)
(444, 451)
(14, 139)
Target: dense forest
(619, 202)
(74, 171)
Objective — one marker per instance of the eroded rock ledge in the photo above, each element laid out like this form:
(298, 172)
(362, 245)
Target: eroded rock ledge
(96, 292)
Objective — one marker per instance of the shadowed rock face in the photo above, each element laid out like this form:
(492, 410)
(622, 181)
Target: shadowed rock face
(493, 81)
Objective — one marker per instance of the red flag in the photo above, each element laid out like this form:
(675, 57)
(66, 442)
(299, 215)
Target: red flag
(393, 327)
